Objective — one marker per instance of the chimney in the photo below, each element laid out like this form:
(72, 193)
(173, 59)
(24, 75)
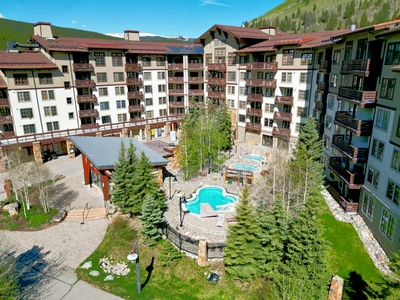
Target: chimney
(131, 35)
(353, 27)
(43, 29)
(270, 30)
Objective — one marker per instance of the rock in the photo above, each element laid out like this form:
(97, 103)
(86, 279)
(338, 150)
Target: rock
(13, 208)
(94, 273)
(60, 216)
(6, 207)
(112, 209)
(57, 177)
(109, 278)
(87, 265)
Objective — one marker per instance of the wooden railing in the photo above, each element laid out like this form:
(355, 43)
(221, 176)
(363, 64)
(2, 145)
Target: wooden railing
(361, 97)
(253, 126)
(261, 82)
(350, 177)
(85, 83)
(255, 98)
(132, 67)
(135, 95)
(196, 79)
(356, 66)
(320, 106)
(324, 65)
(217, 67)
(172, 66)
(176, 92)
(195, 66)
(88, 113)
(361, 127)
(83, 68)
(321, 86)
(269, 66)
(284, 116)
(282, 132)
(214, 94)
(176, 104)
(356, 154)
(196, 92)
(212, 80)
(6, 119)
(135, 108)
(254, 111)
(349, 207)
(4, 103)
(175, 79)
(285, 100)
(87, 98)
(134, 81)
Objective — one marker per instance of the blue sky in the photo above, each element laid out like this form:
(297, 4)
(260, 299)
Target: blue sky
(168, 17)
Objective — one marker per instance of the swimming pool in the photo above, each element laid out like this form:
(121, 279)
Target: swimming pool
(245, 167)
(217, 197)
(255, 157)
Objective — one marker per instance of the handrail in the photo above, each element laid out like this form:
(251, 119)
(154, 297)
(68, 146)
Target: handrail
(83, 213)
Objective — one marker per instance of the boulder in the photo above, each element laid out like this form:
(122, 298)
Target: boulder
(94, 273)
(13, 208)
(109, 278)
(6, 207)
(87, 265)
(60, 216)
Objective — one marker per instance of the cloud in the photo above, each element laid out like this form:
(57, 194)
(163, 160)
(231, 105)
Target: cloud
(213, 2)
(83, 25)
(1, 16)
(73, 22)
(19, 7)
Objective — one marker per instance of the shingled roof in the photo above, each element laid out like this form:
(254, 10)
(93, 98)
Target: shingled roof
(25, 60)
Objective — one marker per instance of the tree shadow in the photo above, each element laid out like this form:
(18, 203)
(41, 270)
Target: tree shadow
(358, 289)
(149, 270)
(62, 196)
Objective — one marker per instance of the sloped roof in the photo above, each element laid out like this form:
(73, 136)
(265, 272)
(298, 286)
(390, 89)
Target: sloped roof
(103, 151)
(237, 32)
(375, 27)
(25, 60)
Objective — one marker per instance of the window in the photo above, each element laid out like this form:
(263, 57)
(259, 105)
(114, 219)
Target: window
(23, 96)
(242, 91)
(121, 117)
(146, 61)
(162, 112)
(160, 61)
(269, 92)
(242, 118)
(69, 100)
(303, 95)
(231, 76)
(119, 90)
(231, 89)
(377, 149)
(268, 122)
(160, 75)
(64, 69)
(26, 113)
(148, 89)
(45, 78)
(396, 160)
(29, 129)
(67, 85)
(330, 101)
(398, 128)
(162, 100)
(149, 101)
(348, 50)
(298, 127)
(362, 49)
(99, 58)
(21, 79)
(336, 57)
(71, 115)
(242, 75)
(101, 77)
(302, 112)
(103, 92)
(149, 114)
(387, 88)
(306, 58)
(161, 88)
(242, 104)
(288, 57)
(147, 75)
(368, 205)
(208, 58)
(219, 55)
(373, 176)
(52, 126)
(230, 103)
(393, 192)
(121, 104)
(387, 224)
(326, 142)
(48, 95)
(50, 111)
(303, 77)
(231, 59)
(393, 54)
(104, 105)
(116, 59)
(333, 81)
(269, 108)
(328, 122)
(287, 77)
(382, 119)
(105, 119)
(118, 76)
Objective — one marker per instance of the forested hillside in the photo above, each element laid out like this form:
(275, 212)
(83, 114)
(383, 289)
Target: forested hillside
(299, 16)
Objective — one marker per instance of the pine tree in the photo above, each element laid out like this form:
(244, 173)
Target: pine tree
(242, 245)
(169, 253)
(119, 193)
(151, 221)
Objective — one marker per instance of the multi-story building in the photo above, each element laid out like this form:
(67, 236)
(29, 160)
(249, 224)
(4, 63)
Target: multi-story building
(270, 81)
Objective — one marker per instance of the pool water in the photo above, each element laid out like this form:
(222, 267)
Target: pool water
(245, 167)
(255, 157)
(215, 196)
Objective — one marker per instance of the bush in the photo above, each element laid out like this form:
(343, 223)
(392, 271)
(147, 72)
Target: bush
(121, 228)
(169, 253)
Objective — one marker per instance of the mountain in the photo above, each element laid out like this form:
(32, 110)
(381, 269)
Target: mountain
(155, 37)
(301, 16)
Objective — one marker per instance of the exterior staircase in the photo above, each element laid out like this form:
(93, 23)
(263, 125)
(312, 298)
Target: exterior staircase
(86, 214)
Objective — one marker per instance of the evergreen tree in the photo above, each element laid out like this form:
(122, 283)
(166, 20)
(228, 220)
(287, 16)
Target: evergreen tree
(119, 193)
(242, 245)
(169, 253)
(151, 221)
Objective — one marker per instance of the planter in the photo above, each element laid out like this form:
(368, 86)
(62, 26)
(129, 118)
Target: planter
(203, 173)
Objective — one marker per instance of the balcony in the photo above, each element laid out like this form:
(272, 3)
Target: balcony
(86, 83)
(221, 67)
(135, 95)
(349, 207)
(254, 112)
(196, 79)
(175, 66)
(4, 103)
(7, 134)
(321, 86)
(133, 67)
(87, 98)
(255, 98)
(216, 81)
(320, 127)
(6, 119)
(218, 95)
(135, 108)
(361, 66)
(360, 127)
(176, 104)
(134, 82)
(285, 100)
(176, 92)
(270, 83)
(324, 65)
(352, 178)
(364, 98)
(320, 106)
(175, 79)
(281, 132)
(265, 66)
(283, 116)
(253, 126)
(196, 93)
(83, 68)
(87, 113)
(354, 153)
(90, 126)
(195, 66)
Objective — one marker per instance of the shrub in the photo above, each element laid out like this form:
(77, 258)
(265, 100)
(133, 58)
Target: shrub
(169, 253)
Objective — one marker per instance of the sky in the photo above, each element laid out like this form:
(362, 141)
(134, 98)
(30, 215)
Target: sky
(190, 18)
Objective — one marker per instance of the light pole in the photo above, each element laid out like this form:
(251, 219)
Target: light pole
(170, 185)
(134, 256)
(182, 199)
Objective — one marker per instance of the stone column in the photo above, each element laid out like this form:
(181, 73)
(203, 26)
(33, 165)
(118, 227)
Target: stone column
(124, 133)
(167, 128)
(2, 162)
(202, 255)
(336, 289)
(70, 149)
(99, 134)
(37, 153)
(147, 133)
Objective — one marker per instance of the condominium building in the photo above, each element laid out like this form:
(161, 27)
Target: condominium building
(270, 81)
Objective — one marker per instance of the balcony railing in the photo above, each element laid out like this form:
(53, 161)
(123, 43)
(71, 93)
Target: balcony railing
(135, 95)
(87, 98)
(284, 116)
(176, 92)
(133, 67)
(83, 67)
(255, 98)
(355, 153)
(254, 111)
(175, 79)
(220, 81)
(319, 126)
(321, 86)
(269, 66)
(90, 126)
(282, 132)
(196, 79)
(196, 92)
(4, 103)
(271, 83)
(356, 66)
(135, 108)
(195, 66)
(353, 179)
(218, 95)
(175, 66)
(86, 83)
(362, 97)
(349, 207)
(134, 81)
(324, 65)
(217, 67)
(7, 134)
(285, 100)
(176, 104)
(321, 106)
(6, 119)
(360, 127)
(88, 113)
(253, 126)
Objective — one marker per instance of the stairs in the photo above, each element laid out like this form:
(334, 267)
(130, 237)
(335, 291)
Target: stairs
(88, 214)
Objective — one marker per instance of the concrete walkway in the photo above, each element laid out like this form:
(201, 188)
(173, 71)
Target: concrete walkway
(47, 258)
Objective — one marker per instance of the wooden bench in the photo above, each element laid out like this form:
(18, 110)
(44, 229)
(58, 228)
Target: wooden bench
(239, 175)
